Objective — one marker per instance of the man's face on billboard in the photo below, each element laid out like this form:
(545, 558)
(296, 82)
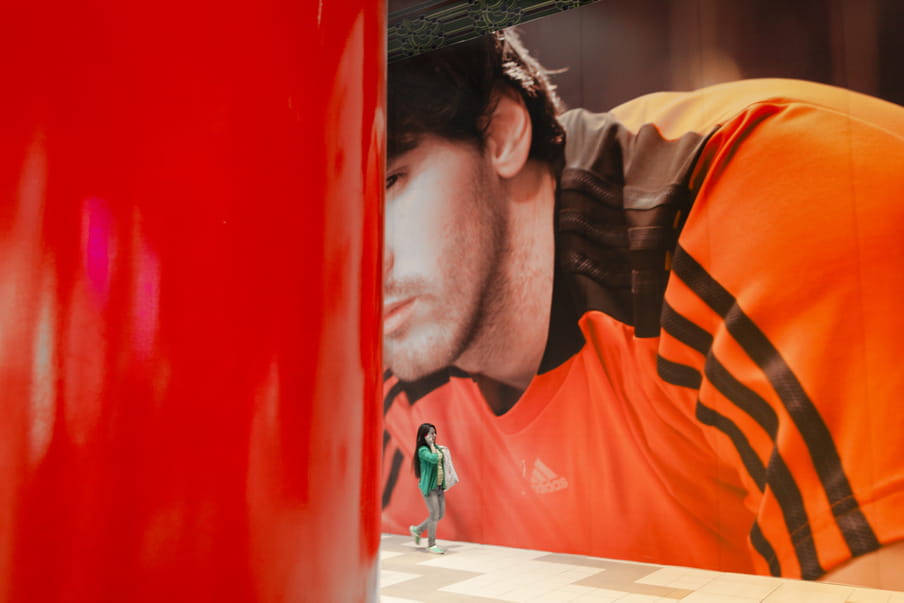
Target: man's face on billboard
(444, 233)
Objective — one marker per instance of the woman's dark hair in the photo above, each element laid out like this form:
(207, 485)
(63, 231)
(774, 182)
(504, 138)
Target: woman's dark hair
(449, 93)
(422, 432)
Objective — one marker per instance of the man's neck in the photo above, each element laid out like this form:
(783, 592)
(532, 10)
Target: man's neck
(498, 396)
(510, 347)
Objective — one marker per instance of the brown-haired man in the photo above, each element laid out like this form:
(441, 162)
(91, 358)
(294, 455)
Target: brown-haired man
(667, 333)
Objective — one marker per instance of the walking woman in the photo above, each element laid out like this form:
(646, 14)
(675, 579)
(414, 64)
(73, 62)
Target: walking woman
(428, 467)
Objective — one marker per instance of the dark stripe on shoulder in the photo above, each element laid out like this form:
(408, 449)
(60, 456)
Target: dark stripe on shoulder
(789, 498)
(678, 374)
(397, 459)
(752, 462)
(622, 200)
(764, 548)
(742, 396)
(855, 528)
(386, 438)
(778, 476)
(685, 331)
(782, 484)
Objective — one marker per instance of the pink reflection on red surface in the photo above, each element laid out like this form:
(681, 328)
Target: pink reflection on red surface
(145, 296)
(44, 376)
(98, 246)
(84, 350)
(189, 301)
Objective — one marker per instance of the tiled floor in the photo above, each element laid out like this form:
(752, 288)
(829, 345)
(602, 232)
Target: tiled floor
(475, 572)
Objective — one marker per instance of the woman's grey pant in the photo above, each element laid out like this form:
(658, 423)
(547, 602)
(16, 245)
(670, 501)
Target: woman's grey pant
(436, 504)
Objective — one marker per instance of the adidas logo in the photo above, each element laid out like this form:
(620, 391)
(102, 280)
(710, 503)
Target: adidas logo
(543, 480)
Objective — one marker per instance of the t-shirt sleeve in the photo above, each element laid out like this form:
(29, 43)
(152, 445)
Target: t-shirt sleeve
(784, 309)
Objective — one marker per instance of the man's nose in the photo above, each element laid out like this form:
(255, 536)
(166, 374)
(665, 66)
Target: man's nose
(389, 242)
(388, 259)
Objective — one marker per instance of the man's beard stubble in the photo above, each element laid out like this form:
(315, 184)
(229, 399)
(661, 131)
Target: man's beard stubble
(472, 331)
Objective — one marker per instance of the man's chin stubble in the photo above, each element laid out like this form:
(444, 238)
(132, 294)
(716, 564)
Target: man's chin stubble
(409, 363)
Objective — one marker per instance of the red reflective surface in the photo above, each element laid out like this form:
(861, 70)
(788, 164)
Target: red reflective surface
(190, 209)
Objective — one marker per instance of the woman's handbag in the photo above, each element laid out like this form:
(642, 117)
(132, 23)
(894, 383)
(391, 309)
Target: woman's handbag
(451, 477)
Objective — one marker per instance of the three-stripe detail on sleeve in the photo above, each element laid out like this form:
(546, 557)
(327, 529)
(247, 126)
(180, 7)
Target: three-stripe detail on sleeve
(851, 521)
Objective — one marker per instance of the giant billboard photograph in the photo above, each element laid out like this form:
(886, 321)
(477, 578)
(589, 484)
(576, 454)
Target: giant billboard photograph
(642, 280)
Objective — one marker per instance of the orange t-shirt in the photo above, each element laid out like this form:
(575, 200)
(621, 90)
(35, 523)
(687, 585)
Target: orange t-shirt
(732, 260)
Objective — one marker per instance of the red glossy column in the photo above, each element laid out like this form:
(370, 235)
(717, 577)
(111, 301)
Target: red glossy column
(190, 218)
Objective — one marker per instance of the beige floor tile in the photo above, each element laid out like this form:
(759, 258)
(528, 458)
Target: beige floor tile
(638, 598)
(599, 596)
(560, 595)
(791, 591)
(701, 597)
(679, 577)
(753, 587)
(869, 595)
(474, 573)
(389, 577)
(552, 596)
(524, 594)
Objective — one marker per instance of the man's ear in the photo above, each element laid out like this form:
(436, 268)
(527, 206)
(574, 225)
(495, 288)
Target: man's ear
(509, 133)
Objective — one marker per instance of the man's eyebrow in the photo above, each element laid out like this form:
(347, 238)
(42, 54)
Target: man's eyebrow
(392, 162)
(398, 157)
(400, 145)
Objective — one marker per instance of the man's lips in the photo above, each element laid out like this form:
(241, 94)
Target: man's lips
(395, 313)
(393, 305)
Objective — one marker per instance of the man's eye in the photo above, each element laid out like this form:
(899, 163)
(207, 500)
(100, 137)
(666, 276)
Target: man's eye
(393, 179)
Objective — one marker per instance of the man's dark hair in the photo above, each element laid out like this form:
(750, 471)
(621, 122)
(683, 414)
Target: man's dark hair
(449, 93)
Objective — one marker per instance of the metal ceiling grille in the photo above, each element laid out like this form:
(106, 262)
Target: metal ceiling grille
(434, 24)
